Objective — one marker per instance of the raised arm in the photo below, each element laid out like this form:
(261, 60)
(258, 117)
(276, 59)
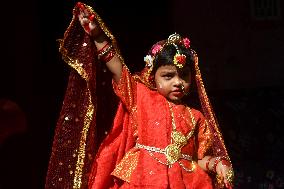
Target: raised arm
(105, 50)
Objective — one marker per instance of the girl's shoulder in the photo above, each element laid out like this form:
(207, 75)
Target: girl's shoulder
(196, 113)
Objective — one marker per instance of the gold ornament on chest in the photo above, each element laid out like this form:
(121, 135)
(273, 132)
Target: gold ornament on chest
(173, 151)
(178, 140)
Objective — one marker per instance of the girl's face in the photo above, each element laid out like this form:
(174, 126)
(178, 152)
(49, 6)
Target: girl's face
(172, 83)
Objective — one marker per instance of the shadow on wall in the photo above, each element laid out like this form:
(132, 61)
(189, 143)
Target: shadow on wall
(17, 170)
(252, 124)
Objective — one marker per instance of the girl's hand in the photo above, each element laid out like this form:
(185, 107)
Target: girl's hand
(225, 174)
(88, 22)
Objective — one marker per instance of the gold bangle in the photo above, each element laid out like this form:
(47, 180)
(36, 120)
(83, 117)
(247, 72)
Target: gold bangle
(230, 176)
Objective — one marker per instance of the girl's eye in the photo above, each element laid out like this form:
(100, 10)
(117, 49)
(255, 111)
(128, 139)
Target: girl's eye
(167, 77)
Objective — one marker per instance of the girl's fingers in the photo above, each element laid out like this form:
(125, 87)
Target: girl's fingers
(227, 184)
(86, 19)
(85, 22)
(92, 23)
(86, 13)
(80, 5)
(92, 17)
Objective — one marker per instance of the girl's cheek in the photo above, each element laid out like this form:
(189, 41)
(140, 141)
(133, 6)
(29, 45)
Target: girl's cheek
(160, 85)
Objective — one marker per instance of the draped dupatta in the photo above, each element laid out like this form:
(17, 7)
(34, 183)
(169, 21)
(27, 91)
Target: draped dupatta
(73, 162)
(74, 143)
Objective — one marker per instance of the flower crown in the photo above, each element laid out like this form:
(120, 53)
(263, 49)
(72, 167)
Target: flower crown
(174, 39)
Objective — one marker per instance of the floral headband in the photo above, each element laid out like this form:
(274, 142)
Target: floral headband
(174, 39)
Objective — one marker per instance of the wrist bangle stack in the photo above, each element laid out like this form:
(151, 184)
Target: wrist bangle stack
(217, 160)
(226, 163)
(103, 48)
(106, 53)
(207, 163)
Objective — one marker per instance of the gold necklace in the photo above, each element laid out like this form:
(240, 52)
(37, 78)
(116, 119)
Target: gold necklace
(178, 140)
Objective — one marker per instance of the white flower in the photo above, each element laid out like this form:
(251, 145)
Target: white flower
(149, 60)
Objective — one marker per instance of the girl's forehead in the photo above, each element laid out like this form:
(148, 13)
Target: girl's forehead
(172, 68)
(167, 68)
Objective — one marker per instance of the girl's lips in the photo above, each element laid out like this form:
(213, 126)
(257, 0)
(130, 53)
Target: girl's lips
(177, 93)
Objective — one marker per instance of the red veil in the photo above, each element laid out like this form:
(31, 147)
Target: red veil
(75, 144)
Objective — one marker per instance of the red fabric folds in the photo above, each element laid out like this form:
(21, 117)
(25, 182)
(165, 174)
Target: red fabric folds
(150, 118)
(143, 116)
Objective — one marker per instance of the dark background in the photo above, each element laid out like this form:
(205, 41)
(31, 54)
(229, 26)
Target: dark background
(240, 46)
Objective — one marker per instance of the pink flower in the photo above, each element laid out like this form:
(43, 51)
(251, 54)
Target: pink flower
(156, 49)
(186, 42)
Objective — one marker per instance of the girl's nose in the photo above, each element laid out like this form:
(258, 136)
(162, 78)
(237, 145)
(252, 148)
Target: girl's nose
(178, 82)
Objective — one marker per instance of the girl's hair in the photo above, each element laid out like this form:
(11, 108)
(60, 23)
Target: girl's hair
(166, 57)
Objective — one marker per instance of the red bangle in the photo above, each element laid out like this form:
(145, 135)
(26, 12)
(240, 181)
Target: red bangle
(106, 53)
(207, 163)
(103, 49)
(217, 160)
(108, 56)
(226, 163)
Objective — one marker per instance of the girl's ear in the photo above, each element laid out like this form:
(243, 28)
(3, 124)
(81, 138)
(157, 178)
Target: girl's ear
(152, 81)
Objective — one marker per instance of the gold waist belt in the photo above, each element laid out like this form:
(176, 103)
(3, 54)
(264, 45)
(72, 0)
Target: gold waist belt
(171, 154)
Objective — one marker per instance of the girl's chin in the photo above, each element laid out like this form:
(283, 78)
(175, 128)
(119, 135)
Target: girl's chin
(174, 99)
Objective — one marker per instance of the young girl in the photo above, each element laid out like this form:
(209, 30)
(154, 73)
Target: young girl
(156, 141)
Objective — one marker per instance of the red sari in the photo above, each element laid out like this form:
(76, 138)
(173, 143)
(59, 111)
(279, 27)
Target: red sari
(147, 121)
(143, 117)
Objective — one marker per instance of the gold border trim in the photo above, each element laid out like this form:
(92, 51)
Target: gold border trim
(82, 147)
